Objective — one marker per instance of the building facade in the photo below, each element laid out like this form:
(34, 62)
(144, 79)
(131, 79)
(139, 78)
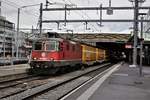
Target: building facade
(147, 27)
(7, 40)
(24, 45)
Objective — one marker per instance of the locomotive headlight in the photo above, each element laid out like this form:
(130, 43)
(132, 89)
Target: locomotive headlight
(34, 58)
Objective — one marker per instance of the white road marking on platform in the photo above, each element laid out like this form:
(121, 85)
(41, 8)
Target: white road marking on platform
(86, 94)
(121, 74)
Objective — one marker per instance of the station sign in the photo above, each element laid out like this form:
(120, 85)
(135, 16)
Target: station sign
(128, 46)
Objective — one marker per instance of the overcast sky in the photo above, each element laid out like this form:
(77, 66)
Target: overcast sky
(29, 16)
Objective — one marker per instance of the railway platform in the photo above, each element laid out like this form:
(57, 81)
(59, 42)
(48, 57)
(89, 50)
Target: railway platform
(120, 83)
(13, 69)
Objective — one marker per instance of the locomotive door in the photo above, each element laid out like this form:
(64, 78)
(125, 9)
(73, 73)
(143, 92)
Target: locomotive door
(62, 50)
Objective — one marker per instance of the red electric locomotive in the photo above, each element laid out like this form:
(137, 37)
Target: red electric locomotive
(50, 55)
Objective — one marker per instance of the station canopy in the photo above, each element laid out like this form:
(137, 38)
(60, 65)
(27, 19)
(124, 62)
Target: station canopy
(99, 37)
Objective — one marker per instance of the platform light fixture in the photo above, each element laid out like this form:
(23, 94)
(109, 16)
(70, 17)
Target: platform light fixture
(109, 10)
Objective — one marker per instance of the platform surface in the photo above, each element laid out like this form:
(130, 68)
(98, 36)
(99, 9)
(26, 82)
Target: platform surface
(13, 69)
(122, 84)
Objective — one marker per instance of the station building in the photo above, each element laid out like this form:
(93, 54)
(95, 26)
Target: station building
(7, 40)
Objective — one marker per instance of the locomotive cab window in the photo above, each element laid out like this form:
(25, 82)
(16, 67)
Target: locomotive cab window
(52, 46)
(38, 46)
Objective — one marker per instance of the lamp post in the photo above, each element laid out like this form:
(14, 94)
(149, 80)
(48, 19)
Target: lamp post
(141, 43)
(18, 22)
(141, 47)
(136, 14)
(136, 11)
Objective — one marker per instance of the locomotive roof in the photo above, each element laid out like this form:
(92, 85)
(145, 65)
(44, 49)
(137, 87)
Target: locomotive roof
(49, 39)
(62, 39)
(54, 39)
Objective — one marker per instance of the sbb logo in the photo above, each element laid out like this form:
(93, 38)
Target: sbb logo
(43, 54)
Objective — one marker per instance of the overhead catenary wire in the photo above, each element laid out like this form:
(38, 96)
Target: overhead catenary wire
(76, 11)
(9, 3)
(62, 4)
(16, 6)
(84, 13)
(13, 4)
(88, 17)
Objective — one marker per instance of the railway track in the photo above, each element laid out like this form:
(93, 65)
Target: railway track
(12, 87)
(49, 87)
(56, 93)
(15, 77)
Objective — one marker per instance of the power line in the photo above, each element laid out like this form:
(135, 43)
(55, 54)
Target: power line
(9, 4)
(86, 15)
(17, 6)
(75, 11)
(23, 1)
